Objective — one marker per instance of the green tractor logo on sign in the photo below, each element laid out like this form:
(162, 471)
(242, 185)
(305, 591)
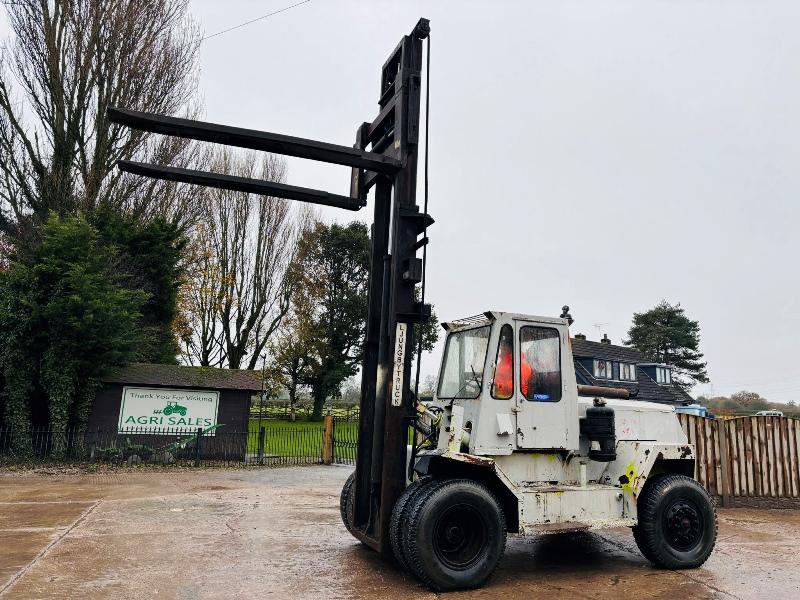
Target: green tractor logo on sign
(174, 407)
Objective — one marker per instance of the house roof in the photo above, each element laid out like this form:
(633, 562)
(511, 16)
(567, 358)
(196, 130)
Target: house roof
(586, 349)
(180, 376)
(649, 390)
(681, 395)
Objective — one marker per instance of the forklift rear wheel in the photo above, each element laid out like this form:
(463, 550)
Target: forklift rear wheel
(677, 523)
(638, 537)
(400, 516)
(455, 534)
(346, 502)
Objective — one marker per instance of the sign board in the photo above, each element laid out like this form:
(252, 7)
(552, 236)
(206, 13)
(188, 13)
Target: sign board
(399, 363)
(158, 409)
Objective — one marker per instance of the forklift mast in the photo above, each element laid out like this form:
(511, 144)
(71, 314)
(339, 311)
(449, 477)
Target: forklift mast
(384, 157)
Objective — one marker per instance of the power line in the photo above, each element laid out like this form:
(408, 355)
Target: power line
(261, 18)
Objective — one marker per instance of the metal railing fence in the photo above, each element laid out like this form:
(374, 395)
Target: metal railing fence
(302, 411)
(345, 441)
(272, 443)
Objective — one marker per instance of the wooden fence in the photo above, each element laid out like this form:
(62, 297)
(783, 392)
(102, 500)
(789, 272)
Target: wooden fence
(747, 461)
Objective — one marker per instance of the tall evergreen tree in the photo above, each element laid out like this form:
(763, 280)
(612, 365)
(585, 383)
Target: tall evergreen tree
(64, 319)
(665, 334)
(150, 258)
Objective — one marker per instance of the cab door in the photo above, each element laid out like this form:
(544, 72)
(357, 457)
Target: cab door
(543, 406)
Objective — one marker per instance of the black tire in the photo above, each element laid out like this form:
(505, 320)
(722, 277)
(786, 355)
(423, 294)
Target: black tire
(400, 518)
(677, 523)
(638, 537)
(455, 534)
(346, 502)
(638, 534)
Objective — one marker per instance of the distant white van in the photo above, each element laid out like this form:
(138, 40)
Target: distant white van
(769, 413)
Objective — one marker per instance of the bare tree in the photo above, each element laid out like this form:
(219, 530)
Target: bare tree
(241, 286)
(199, 327)
(351, 391)
(429, 385)
(67, 62)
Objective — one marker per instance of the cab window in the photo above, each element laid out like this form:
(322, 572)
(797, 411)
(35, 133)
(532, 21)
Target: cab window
(540, 364)
(503, 384)
(462, 365)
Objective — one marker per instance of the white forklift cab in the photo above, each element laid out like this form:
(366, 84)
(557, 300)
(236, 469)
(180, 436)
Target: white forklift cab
(520, 450)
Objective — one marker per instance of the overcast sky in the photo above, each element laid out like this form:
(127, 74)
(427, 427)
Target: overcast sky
(601, 154)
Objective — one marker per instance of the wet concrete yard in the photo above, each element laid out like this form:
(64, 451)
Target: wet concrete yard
(276, 533)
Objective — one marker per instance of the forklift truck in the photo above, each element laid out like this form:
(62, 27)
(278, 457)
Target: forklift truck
(485, 463)
(514, 445)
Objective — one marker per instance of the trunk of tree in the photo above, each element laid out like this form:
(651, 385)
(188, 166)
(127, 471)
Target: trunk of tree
(319, 403)
(292, 400)
(234, 358)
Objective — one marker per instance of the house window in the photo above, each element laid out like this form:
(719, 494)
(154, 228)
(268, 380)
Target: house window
(663, 375)
(627, 372)
(602, 369)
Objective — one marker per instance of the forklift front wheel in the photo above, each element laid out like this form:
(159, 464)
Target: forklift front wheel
(400, 517)
(455, 534)
(346, 502)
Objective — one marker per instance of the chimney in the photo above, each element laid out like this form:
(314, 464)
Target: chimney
(580, 336)
(605, 339)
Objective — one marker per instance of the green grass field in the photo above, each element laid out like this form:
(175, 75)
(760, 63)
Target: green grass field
(301, 438)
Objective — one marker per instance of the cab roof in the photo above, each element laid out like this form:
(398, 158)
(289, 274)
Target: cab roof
(490, 316)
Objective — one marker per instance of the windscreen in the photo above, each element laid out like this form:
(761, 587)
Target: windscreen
(464, 357)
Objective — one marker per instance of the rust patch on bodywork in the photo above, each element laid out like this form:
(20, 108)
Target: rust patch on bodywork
(568, 527)
(471, 459)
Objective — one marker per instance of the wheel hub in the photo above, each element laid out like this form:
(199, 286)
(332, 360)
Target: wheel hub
(455, 535)
(683, 525)
(459, 537)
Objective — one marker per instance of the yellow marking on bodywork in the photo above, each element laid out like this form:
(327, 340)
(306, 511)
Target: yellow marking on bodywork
(548, 455)
(632, 475)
